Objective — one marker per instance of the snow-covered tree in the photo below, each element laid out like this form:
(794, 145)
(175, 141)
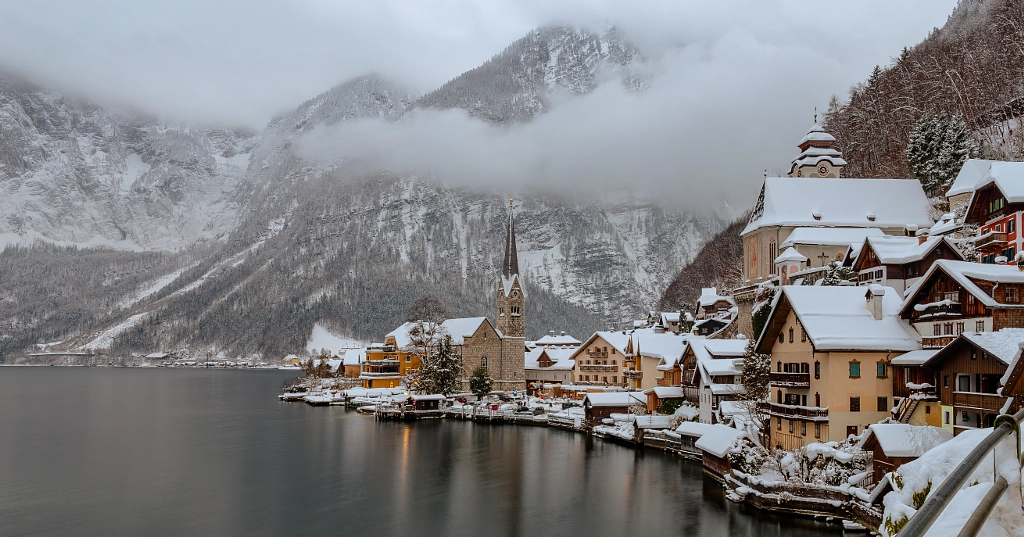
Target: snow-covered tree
(937, 149)
(836, 274)
(442, 371)
(754, 378)
(480, 382)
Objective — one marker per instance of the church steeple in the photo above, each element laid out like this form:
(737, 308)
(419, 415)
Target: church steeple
(510, 296)
(511, 265)
(817, 157)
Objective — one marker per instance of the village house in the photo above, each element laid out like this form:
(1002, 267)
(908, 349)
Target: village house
(971, 372)
(711, 305)
(971, 173)
(830, 349)
(710, 372)
(913, 389)
(601, 405)
(954, 297)
(996, 207)
(899, 262)
(353, 362)
(546, 366)
(601, 360)
(895, 444)
(660, 395)
(560, 341)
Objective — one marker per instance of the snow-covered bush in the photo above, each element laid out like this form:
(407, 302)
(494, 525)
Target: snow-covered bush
(685, 412)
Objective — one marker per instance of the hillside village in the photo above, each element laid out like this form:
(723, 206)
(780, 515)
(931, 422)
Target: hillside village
(869, 329)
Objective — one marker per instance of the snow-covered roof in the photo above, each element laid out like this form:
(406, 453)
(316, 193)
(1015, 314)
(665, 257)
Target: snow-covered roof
(663, 346)
(403, 339)
(894, 250)
(718, 439)
(694, 428)
(614, 399)
(733, 408)
(718, 357)
(561, 357)
(794, 201)
(837, 318)
(963, 272)
(462, 328)
(157, 355)
(947, 223)
(1007, 176)
(790, 255)
(830, 236)
(559, 340)
(334, 364)
(903, 440)
(1004, 344)
(816, 134)
(354, 356)
(971, 172)
(668, 317)
(666, 392)
(709, 296)
(918, 357)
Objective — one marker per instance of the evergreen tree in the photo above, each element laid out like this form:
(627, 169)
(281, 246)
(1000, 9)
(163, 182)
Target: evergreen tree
(442, 372)
(480, 382)
(836, 274)
(936, 150)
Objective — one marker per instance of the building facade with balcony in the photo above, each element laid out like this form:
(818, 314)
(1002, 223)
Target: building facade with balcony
(830, 349)
(713, 370)
(996, 206)
(954, 297)
(899, 262)
(973, 373)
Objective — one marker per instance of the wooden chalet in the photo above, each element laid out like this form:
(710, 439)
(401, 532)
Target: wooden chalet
(955, 297)
(996, 207)
(971, 372)
(898, 262)
(895, 444)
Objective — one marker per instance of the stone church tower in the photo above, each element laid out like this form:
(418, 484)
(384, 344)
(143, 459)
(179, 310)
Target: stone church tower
(511, 299)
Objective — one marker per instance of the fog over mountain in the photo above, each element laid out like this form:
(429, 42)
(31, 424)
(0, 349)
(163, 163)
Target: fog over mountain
(626, 149)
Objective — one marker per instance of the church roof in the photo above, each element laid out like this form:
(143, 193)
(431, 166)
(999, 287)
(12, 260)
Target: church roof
(817, 134)
(828, 202)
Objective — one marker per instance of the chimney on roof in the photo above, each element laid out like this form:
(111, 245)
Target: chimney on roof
(922, 235)
(552, 333)
(874, 300)
(562, 333)
(911, 230)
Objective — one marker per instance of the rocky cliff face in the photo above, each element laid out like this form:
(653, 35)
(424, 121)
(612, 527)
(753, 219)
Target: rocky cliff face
(290, 243)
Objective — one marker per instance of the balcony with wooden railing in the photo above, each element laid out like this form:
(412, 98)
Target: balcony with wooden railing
(796, 412)
(590, 367)
(665, 381)
(988, 402)
(789, 380)
(597, 354)
(937, 310)
(991, 239)
(633, 374)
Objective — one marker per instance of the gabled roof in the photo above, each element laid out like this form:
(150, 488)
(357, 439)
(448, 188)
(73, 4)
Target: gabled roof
(1003, 345)
(971, 172)
(794, 201)
(830, 236)
(464, 327)
(718, 440)
(903, 440)
(894, 250)
(354, 356)
(716, 357)
(1008, 177)
(615, 398)
(837, 318)
(963, 272)
(560, 340)
(562, 359)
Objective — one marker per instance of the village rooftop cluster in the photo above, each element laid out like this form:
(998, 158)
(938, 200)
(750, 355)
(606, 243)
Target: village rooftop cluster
(870, 330)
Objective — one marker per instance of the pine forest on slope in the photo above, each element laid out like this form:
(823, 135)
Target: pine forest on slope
(242, 246)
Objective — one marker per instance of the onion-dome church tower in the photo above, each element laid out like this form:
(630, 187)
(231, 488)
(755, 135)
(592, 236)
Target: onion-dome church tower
(817, 157)
(511, 299)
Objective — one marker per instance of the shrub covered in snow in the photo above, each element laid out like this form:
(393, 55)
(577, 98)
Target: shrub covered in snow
(685, 412)
(829, 464)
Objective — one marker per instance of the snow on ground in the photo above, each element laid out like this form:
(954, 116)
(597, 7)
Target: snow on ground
(152, 288)
(926, 473)
(321, 338)
(104, 340)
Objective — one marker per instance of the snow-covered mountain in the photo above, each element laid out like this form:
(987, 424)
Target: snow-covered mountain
(76, 173)
(290, 243)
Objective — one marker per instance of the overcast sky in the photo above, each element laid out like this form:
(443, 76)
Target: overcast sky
(736, 87)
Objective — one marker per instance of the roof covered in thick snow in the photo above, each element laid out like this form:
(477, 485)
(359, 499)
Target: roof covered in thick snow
(1004, 344)
(971, 172)
(1007, 176)
(559, 341)
(718, 439)
(837, 318)
(963, 272)
(614, 399)
(463, 327)
(830, 236)
(694, 428)
(561, 358)
(903, 440)
(718, 357)
(666, 392)
(790, 254)
(894, 250)
(354, 356)
(796, 201)
(918, 357)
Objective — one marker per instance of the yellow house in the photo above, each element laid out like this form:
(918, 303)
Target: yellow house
(831, 348)
(386, 364)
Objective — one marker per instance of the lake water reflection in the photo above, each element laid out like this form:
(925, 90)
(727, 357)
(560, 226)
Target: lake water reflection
(119, 452)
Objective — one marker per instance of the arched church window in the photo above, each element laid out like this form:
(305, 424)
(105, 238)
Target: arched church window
(483, 362)
(773, 252)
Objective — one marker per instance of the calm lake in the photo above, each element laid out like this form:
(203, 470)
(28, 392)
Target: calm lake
(152, 452)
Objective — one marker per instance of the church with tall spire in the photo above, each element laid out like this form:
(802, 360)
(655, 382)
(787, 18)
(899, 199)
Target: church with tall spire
(510, 296)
